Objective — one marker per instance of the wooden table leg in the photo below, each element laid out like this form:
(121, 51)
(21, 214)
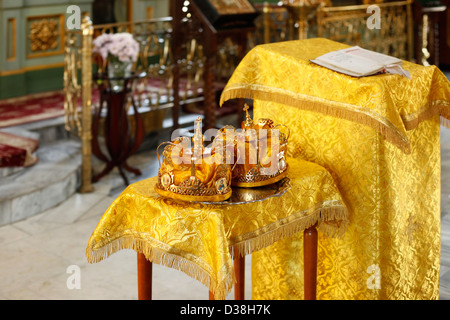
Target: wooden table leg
(144, 277)
(239, 269)
(310, 262)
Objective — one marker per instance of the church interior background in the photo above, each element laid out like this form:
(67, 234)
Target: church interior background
(53, 183)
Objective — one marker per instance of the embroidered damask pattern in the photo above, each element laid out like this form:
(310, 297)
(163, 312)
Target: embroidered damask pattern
(379, 138)
(393, 199)
(411, 229)
(390, 104)
(201, 238)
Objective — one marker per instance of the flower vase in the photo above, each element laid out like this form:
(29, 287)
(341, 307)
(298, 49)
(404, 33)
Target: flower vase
(117, 72)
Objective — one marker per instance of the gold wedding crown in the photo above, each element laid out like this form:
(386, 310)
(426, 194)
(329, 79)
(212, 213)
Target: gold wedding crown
(253, 156)
(194, 173)
(260, 152)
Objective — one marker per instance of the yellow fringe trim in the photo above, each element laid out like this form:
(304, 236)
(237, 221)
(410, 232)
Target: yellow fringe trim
(438, 107)
(444, 112)
(219, 289)
(381, 125)
(249, 243)
(445, 122)
(242, 245)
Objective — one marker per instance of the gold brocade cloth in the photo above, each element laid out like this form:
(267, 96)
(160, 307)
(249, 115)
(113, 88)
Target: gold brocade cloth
(200, 239)
(391, 104)
(379, 138)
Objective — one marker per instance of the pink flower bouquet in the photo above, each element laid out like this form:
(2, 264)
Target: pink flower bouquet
(121, 46)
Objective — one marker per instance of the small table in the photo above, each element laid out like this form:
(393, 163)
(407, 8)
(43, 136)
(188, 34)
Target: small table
(201, 238)
(120, 142)
(145, 271)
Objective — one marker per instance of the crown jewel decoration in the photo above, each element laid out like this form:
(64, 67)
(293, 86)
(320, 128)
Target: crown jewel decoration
(194, 173)
(260, 153)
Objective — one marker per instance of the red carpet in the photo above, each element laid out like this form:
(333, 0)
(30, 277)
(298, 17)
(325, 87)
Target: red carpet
(32, 108)
(11, 156)
(17, 151)
(43, 106)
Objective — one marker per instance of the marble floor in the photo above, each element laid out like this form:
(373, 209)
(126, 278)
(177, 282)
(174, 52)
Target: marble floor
(39, 254)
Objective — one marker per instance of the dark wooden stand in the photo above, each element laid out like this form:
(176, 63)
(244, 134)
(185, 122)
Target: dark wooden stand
(310, 262)
(310, 271)
(120, 142)
(427, 48)
(444, 37)
(145, 271)
(200, 28)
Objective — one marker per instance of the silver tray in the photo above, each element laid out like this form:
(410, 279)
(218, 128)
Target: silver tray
(247, 195)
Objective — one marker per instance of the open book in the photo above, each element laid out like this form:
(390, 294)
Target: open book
(359, 62)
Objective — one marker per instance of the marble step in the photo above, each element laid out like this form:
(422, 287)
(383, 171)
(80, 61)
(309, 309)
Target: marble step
(25, 192)
(46, 184)
(48, 131)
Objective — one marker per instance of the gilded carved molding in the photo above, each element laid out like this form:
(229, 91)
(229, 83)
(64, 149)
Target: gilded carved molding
(45, 35)
(11, 39)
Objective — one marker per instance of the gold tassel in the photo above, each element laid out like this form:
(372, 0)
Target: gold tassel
(444, 112)
(437, 107)
(319, 215)
(219, 288)
(389, 132)
(445, 122)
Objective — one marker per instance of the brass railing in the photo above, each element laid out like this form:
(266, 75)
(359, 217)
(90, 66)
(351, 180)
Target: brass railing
(77, 87)
(347, 24)
(80, 63)
(344, 24)
(274, 24)
(155, 58)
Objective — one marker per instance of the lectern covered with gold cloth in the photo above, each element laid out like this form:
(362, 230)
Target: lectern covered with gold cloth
(379, 137)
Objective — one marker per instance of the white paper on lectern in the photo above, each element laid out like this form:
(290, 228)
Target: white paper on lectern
(359, 62)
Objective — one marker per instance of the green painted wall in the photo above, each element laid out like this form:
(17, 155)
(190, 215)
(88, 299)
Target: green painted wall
(19, 76)
(35, 81)
(12, 86)
(28, 73)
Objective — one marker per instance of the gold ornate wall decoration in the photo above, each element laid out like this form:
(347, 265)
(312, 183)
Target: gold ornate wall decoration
(45, 35)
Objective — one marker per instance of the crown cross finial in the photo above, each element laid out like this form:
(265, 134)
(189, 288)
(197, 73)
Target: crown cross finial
(198, 146)
(248, 119)
(198, 137)
(199, 124)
